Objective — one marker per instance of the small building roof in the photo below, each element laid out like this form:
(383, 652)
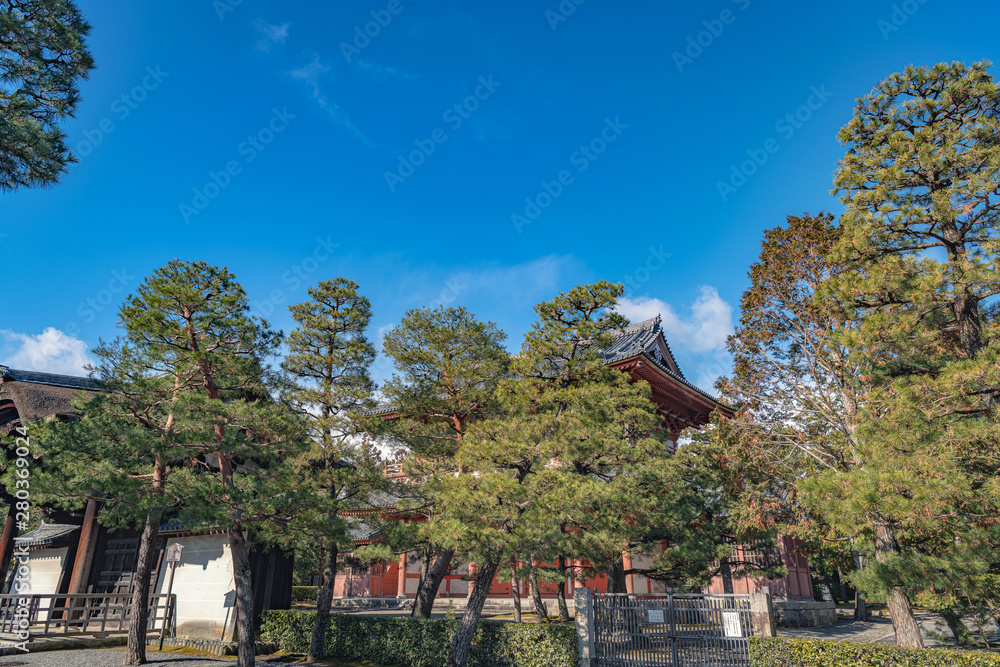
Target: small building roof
(46, 535)
(50, 379)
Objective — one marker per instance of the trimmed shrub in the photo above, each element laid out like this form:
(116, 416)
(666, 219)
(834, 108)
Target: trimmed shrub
(304, 593)
(416, 642)
(825, 653)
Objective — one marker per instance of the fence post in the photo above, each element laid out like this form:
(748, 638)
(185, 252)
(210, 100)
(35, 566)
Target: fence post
(673, 626)
(583, 601)
(762, 614)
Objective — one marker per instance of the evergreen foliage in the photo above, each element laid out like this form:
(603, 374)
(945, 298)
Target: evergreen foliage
(43, 57)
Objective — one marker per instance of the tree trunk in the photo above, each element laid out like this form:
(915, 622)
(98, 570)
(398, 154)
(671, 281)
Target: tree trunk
(246, 653)
(860, 606)
(425, 568)
(323, 599)
(424, 604)
(561, 591)
(536, 593)
(726, 570)
(900, 611)
(515, 591)
(135, 652)
(616, 575)
(840, 585)
(957, 627)
(461, 646)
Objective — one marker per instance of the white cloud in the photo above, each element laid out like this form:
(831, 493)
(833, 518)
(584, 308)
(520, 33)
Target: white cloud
(704, 330)
(311, 74)
(271, 34)
(51, 351)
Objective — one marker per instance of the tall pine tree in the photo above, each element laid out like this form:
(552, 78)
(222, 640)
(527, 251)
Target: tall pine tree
(195, 319)
(326, 367)
(447, 365)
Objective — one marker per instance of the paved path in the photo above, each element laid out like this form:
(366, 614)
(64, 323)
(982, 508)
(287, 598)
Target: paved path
(879, 630)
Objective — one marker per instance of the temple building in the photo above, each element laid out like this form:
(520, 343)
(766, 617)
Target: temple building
(642, 351)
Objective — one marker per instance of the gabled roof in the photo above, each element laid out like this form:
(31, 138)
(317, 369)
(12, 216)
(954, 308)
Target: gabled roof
(647, 339)
(646, 336)
(51, 379)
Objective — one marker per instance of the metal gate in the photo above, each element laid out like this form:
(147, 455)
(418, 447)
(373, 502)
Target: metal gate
(672, 630)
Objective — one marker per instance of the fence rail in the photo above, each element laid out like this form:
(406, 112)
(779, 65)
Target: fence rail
(672, 630)
(79, 614)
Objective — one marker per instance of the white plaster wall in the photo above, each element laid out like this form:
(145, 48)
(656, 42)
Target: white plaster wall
(203, 584)
(640, 583)
(45, 567)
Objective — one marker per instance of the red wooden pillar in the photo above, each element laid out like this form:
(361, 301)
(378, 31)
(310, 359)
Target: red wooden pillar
(84, 551)
(7, 541)
(627, 562)
(401, 576)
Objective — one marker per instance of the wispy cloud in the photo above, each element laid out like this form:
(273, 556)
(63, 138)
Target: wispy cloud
(381, 72)
(51, 351)
(311, 75)
(271, 34)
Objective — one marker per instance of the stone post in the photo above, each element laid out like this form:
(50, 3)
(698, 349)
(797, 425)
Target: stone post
(762, 614)
(583, 600)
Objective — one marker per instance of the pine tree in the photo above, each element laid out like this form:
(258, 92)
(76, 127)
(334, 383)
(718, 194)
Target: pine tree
(43, 56)
(569, 425)
(122, 450)
(447, 366)
(798, 388)
(195, 320)
(327, 370)
(920, 230)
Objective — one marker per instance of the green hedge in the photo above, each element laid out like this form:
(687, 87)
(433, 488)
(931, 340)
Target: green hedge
(822, 653)
(304, 593)
(415, 642)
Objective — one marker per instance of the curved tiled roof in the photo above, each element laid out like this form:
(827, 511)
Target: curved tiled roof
(640, 338)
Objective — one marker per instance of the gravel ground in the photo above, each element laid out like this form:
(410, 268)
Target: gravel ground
(108, 658)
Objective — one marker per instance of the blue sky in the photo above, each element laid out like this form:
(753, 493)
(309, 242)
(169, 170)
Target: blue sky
(488, 155)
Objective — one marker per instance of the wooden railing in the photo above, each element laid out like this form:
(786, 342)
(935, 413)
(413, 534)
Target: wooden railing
(64, 614)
